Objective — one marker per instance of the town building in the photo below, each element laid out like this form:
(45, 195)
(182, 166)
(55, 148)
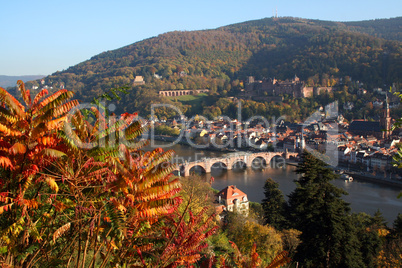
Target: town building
(139, 80)
(232, 199)
(385, 120)
(379, 129)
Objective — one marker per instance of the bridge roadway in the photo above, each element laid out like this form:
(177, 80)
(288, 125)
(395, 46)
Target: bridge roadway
(230, 160)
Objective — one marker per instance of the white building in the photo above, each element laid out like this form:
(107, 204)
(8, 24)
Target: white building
(233, 200)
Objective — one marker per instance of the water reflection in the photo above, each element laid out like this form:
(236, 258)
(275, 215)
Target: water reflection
(363, 196)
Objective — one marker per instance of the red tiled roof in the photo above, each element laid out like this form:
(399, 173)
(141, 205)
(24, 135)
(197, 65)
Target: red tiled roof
(231, 192)
(219, 209)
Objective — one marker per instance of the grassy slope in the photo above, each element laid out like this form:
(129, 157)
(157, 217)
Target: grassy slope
(189, 99)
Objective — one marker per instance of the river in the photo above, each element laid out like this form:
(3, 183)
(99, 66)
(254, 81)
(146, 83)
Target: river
(363, 196)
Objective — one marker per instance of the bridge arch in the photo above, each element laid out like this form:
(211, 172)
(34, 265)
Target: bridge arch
(277, 161)
(258, 162)
(219, 164)
(197, 168)
(239, 164)
(253, 160)
(219, 167)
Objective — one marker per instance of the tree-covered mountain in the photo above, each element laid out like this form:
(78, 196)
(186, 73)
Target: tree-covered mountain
(221, 58)
(384, 28)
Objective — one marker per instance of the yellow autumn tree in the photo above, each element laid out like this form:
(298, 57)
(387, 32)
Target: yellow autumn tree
(244, 233)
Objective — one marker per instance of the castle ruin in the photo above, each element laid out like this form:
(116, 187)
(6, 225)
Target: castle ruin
(268, 88)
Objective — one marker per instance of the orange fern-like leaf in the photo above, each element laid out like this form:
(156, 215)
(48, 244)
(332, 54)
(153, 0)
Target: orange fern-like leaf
(47, 141)
(9, 132)
(57, 123)
(26, 96)
(18, 148)
(280, 260)
(53, 153)
(8, 116)
(59, 232)
(52, 184)
(30, 203)
(12, 102)
(5, 208)
(5, 162)
(65, 108)
(39, 96)
(44, 105)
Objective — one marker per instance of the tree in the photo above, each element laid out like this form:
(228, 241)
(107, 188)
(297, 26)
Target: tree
(245, 233)
(136, 206)
(28, 145)
(391, 250)
(110, 204)
(317, 210)
(273, 205)
(398, 224)
(391, 254)
(199, 193)
(369, 230)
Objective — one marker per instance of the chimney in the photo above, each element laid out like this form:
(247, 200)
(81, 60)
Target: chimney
(234, 187)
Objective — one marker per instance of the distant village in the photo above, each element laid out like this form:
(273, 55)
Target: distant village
(366, 146)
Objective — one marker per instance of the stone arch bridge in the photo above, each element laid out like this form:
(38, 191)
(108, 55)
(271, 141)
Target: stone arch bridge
(230, 160)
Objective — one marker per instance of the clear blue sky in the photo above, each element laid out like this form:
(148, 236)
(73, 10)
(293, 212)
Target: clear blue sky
(42, 37)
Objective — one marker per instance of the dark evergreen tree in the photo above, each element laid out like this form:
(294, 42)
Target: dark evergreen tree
(318, 211)
(367, 228)
(378, 221)
(398, 225)
(273, 205)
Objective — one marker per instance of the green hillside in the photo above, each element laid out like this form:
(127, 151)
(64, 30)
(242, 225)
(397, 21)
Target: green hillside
(384, 28)
(220, 59)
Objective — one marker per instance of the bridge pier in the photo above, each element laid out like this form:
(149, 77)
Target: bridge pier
(207, 166)
(186, 172)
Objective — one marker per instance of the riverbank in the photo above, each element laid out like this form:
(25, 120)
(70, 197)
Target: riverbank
(362, 176)
(292, 163)
(375, 179)
(183, 141)
(356, 175)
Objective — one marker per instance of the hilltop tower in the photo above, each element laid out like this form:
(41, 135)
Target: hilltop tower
(385, 121)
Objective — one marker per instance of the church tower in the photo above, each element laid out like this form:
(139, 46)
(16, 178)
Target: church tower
(385, 121)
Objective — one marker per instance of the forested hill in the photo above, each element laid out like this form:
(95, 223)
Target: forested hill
(384, 28)
(390, 29)
(271, 47)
